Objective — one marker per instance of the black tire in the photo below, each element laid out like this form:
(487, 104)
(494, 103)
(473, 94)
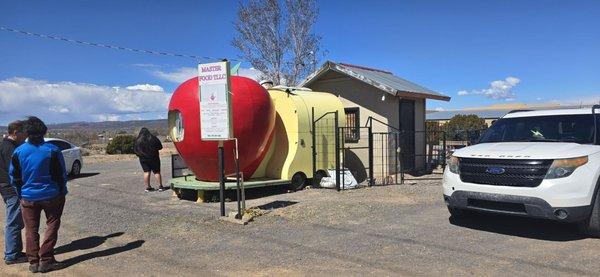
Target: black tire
(76, 168)
(459, 213)
(298, 181)
(591, 226)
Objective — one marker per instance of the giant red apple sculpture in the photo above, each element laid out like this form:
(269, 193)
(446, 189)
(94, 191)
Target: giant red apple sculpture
(253, 124)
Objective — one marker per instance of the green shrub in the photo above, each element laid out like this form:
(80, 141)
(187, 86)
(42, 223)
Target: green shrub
(465, 127)
(122, 144)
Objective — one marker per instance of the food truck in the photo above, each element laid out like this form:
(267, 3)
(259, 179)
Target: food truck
(272, 129)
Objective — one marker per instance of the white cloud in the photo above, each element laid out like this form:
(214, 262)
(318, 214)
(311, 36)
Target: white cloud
(146, 87)
(144, 65)
(178, 76)
(499, 89)
(251, 73)
(68, 101)
(59, 109)
(103, 117)
(183, 74)
(439, 109)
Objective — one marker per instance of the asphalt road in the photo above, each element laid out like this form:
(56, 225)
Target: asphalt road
(111, 227)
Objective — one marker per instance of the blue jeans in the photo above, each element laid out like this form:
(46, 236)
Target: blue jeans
(13, 243)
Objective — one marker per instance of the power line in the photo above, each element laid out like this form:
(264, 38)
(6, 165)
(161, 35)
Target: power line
(102, 45)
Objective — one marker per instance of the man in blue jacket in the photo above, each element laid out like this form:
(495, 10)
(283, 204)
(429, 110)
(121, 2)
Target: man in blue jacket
(39, 177)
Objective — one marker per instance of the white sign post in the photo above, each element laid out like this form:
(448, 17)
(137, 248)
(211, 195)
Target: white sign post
(215, 112)
(215, 101)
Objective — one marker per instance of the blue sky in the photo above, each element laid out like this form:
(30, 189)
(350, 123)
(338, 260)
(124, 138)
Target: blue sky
(537, 51)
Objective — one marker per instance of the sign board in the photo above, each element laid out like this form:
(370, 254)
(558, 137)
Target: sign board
(215, 101)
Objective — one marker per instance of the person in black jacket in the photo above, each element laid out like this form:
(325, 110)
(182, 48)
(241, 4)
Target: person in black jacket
(13, 242)
(146, 148)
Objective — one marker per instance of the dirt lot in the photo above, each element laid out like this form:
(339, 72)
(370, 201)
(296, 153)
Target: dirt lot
(111, 227)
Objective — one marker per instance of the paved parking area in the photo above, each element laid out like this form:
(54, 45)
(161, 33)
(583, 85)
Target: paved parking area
(110, 226)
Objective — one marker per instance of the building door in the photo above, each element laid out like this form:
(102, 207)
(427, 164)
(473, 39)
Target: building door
(407, 138)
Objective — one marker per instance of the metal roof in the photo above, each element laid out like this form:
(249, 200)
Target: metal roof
(383, 80)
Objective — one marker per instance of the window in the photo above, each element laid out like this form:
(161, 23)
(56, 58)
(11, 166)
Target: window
(60, 144)
(352, 130)
(577, 128)
(177, 130)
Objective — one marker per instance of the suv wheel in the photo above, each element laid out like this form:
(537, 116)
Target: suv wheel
(591, 226)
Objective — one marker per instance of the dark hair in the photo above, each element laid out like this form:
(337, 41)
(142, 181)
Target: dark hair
(35, 129)
(15, 127)
(143, 143)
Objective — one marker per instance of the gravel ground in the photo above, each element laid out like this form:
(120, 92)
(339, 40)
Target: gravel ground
(111, 227)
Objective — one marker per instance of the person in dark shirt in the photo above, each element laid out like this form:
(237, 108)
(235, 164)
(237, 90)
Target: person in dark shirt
(38, 175)
(13, 243)
(146, 148)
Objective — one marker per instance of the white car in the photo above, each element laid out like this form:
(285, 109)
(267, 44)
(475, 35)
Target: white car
(543, 164)
(71, 153)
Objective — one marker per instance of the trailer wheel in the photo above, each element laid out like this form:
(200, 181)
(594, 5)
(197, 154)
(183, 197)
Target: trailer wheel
(298, 181)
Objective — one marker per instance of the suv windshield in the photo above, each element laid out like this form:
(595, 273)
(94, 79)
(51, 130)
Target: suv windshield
(554, 128)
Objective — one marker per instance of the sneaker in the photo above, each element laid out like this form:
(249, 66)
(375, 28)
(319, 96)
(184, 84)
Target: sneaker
(18, 260)
(34, 268)
(149, 189)
(161, 188)
(43, 268)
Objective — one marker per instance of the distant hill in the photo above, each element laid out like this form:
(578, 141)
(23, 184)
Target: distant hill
(133, 125)
(108, 125)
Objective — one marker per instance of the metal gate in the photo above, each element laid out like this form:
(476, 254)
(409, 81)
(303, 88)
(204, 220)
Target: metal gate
(373, 158)
(427, 158)
(325, 146)
(356, 152)
(387, 165)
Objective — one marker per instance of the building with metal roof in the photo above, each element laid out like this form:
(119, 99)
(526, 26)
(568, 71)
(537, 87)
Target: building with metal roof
(366, 93)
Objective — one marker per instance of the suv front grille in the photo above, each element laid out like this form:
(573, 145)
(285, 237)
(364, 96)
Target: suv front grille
(504, 172)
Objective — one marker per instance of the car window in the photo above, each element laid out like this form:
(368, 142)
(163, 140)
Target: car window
(555, 128)
(61, 144)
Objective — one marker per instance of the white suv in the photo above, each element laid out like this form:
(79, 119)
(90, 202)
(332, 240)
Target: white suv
(543, 164)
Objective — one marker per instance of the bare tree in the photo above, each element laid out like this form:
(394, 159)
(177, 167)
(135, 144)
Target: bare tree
(278, 40)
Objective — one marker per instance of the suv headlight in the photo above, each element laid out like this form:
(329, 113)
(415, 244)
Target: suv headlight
(453, 163)
(564, 167)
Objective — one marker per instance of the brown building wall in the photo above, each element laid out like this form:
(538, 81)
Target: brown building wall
(354, 93)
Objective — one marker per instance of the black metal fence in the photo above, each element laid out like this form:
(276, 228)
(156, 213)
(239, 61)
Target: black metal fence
(387, 162)
(325, 145)
(379, 158)
(373, 158)
(427, 154)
